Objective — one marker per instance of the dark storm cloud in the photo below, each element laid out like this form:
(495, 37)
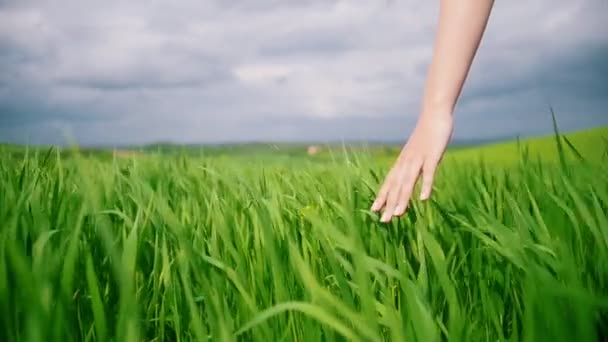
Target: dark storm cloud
(572, 83)
(207, 71)
(27, 105)
(580, 72)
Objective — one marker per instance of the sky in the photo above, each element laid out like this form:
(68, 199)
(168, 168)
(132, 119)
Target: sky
(208, 71)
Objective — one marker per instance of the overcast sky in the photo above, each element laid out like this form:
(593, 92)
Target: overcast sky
(118, 72)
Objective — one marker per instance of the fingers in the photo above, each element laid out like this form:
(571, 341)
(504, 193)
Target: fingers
(392, 181)
(396, 192)
(428, 174)
(383, 193)
(391, 201)
(400, 191)
(406, 190)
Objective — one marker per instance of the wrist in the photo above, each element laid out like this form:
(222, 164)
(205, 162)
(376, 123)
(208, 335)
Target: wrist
(438, 103)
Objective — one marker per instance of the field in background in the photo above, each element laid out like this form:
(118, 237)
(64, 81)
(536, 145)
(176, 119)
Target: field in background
(590, 145)
(589, 142)
(282, 247)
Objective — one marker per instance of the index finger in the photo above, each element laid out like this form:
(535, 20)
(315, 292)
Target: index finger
(383, 192)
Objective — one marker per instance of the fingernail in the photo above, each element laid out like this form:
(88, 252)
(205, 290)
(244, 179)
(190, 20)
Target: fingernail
(386, 217)
(375, 206)
(398, 210)
(425, 194)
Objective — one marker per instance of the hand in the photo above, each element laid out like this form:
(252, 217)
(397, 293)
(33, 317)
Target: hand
(421, 155)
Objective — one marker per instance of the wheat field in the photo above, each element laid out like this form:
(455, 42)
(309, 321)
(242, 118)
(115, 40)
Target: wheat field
(167, 247)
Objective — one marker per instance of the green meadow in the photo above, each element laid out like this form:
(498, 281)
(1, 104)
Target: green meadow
(151, 246)
(589, 145)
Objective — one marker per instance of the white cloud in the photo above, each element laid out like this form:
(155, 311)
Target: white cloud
(214, 65)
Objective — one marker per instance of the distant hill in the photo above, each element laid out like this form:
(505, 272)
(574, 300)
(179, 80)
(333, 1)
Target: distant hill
(590, 144)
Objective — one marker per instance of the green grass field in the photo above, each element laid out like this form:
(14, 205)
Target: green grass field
(590, 144)
(513, 246)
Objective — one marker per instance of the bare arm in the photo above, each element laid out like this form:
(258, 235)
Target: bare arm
(459, 32)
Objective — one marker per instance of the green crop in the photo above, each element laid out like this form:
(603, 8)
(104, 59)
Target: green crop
(174, 248)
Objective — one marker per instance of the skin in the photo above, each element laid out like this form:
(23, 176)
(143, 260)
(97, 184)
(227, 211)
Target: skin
(459, 33)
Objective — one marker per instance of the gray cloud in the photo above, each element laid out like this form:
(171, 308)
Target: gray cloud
(147, 76)
(133, 72)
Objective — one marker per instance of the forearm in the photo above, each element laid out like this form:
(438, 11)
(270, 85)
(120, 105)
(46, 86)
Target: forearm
(459, 32)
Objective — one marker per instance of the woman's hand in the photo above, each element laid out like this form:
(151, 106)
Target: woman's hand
(420, 156)
(459, 32)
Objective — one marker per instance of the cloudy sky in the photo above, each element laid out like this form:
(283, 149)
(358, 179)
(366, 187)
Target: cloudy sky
(119, 72)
